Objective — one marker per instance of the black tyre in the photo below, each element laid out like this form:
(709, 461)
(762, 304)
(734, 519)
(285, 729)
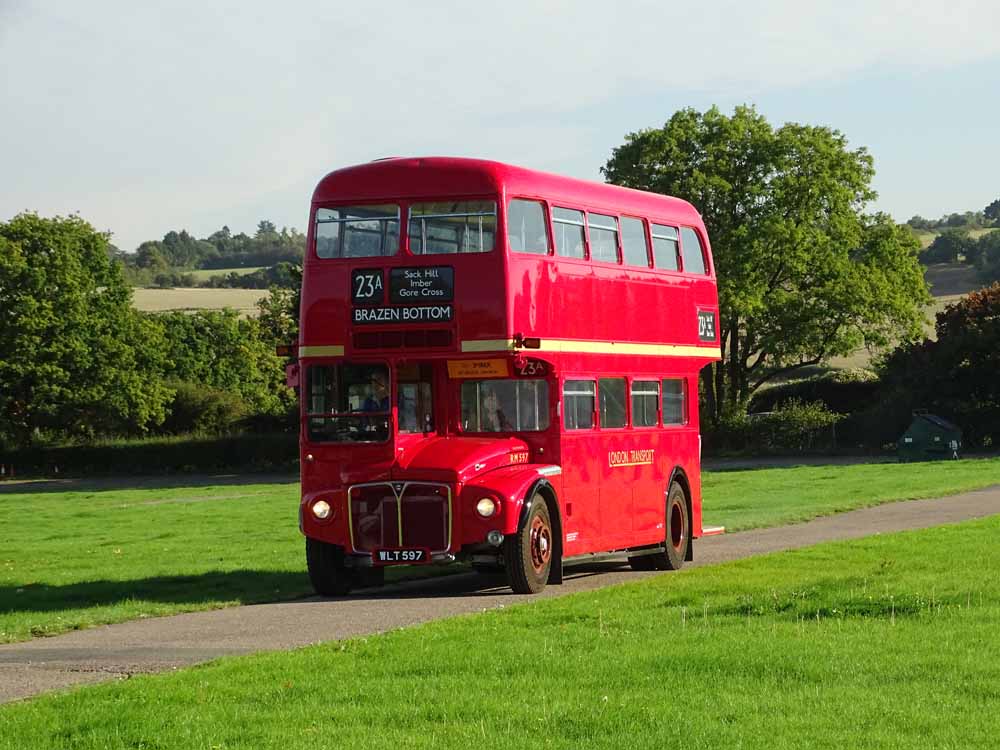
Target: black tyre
(327, 573)
(678, 535)
(528, 553)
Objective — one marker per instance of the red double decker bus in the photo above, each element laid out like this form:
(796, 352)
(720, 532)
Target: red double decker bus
(499, 365)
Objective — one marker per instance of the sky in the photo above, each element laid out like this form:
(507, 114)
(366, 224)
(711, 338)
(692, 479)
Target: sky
(195, 115)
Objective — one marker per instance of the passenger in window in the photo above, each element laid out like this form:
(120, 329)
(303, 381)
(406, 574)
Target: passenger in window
(378, 396)
(494, 419)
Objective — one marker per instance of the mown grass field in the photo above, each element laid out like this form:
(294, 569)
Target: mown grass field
(742, 500)
(885, 642)
(155, 300)
(77, 558)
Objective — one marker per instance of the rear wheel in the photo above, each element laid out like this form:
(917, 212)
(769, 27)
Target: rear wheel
(528, 553)
(327, 573)
(678, 526)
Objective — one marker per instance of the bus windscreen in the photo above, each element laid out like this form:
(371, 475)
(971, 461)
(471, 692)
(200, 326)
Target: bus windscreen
(348, 403)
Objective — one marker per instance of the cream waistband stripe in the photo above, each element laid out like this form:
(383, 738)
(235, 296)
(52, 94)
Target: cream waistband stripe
(596, 347)
(321, 351)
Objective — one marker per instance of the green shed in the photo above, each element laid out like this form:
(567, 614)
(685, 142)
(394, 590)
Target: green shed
(929, 437)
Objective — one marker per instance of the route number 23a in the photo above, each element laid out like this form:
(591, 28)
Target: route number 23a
(530, 368)
(367, 286)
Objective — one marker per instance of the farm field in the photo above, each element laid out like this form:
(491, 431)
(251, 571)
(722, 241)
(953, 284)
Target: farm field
(154, 300)
(948, 282)
(927, 236)
(769, 652)
(78, 558)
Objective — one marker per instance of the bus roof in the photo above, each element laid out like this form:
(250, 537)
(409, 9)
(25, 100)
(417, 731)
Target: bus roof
(440, 176)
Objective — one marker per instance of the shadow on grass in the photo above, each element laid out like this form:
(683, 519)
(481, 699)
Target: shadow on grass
(244, 586)
(260, 586)
(166, 482)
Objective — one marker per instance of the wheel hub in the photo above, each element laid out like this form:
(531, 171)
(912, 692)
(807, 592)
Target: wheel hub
(541, 544)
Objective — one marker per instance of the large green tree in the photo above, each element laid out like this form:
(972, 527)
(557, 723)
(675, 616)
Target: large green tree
(804, 273)
(75, 359)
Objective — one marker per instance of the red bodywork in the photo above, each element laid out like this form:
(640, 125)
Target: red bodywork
(592, 319)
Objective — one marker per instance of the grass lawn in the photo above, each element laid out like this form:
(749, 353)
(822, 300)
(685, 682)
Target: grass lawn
(885, 642)
(752, 499)
(76, 559)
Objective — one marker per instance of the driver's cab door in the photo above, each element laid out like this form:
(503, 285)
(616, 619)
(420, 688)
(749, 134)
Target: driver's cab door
(415, 405)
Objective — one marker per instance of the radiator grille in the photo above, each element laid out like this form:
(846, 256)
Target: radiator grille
(400, 514)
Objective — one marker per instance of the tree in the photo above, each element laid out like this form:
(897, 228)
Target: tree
(956, 374)
(948, 246)
(279, 311)
(992, 212)
(217, 348)
(987, 256)
(804, 273)
(76, 359)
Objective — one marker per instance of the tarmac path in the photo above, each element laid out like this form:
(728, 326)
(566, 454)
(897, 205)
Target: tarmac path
(165, 643)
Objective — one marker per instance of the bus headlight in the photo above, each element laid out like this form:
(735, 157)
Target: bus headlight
(486, 507)
(321, 509)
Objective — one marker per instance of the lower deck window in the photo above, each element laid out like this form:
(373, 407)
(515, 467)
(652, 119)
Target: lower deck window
(347, 403)
(612, 391)
(579, 399)
(645, 399)
(674, 402)
(505, 405)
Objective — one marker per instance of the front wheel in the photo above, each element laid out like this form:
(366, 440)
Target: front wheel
(327, 573)
(528, 553)
(678, 530)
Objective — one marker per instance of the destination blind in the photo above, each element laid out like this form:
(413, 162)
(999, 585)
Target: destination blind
(408, 314)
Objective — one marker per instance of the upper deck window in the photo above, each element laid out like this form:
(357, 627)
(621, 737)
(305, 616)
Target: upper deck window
(665, 247)
(568, 227)
(635, 246)
(603, 238)
(449, 227)
(694, 254)
(357, 231)
(526, 230)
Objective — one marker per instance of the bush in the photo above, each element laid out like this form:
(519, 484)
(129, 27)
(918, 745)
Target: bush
(202, 409)
(169, 279)
(797, 427)
(842, 391)
(163, 455)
